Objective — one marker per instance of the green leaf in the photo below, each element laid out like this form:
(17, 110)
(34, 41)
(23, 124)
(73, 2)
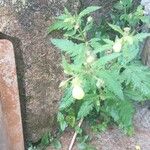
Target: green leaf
(127, 3)
(85, 109)
(146, 19)
(61, 120)
(56, 144)
(71, 120)
(138, 77)
(98, 47)
(135, 95)
(83, 138)
(68, 46)
(101, 127)
(130, 52)
(88, 10)
(78, 130)
(116, 28)
(82, 143)
(45, 139)
(89, 84)
(123, 4)
(58, 25)
(70, 69)
(108, 41)
(121, 112)
(67, 99)
(119, 6)
(106, 59)
(85, 146)
(112, 83)
(141, 36)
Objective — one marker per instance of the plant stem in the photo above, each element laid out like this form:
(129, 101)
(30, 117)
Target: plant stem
(75, 135)
(82, 34)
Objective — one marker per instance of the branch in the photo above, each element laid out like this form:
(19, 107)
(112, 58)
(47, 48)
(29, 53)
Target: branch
(75, 135)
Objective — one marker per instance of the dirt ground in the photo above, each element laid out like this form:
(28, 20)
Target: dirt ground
(115, 139)
(39, 74)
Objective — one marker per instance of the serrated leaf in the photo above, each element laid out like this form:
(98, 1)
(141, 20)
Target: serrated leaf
(84, 146)
(108, 41)
(121, 112)
(98, 47)
(45, 139)
(78, 130)
(61, 120)
(64, 45)
(71, 68)
(62, 17)
(127, 3)
(71, 120)
(134, 95)
(88, 10)
(146, 19)
(116, 28)
(118, 6)
(56, 144)
(105, 59)
(85, 109)
(112, 83)
(58, 25)
(67, 99)
(138, 77)
(130, 52)
(68, 46)
(141, 36)
(101, 127)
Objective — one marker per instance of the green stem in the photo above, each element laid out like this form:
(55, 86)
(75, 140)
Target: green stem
(82, 34)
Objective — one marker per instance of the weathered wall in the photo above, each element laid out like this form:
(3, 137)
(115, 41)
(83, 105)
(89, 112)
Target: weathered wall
(146, 49)
(38, 63)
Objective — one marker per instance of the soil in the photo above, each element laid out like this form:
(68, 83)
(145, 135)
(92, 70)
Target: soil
(115, 139)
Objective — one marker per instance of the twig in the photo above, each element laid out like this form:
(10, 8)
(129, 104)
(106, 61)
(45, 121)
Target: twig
(75, 135)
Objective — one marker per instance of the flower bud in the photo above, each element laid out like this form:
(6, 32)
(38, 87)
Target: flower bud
(91, 57)
(117, 46)
(76, 26)
(137, 147)
(76, 82)
(62, 84)
(78, 92)
(89, 19)
(127, 29)
(128, 39)
(100, 83)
